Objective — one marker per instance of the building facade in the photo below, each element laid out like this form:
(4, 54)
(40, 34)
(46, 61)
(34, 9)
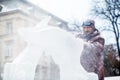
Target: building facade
(17, 14)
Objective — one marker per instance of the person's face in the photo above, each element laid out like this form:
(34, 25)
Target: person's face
(87, 30)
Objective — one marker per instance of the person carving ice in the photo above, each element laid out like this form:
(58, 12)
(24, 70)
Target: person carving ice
(91, 57)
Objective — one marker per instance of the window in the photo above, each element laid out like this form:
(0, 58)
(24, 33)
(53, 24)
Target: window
(9, 48)
(44, 72)
(9, 27)
(37, 73)
(1, 7)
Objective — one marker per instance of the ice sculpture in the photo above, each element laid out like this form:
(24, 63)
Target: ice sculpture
(60, 44)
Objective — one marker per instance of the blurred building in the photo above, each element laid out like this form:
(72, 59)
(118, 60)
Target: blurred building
(47, 69)
(16, 14)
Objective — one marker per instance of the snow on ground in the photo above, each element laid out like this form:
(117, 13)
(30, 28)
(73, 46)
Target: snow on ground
(112, 78)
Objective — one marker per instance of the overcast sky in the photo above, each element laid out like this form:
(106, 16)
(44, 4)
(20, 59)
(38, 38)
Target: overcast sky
(66, 9)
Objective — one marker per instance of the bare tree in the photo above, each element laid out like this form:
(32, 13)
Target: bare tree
(2, 0)
(109, 10)
(74, 26)
(111, 61)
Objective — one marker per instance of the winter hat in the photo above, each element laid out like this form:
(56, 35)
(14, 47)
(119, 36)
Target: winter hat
(88, 23)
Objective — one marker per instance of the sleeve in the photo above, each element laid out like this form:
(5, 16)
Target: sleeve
(99, 43)
(95, 46)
